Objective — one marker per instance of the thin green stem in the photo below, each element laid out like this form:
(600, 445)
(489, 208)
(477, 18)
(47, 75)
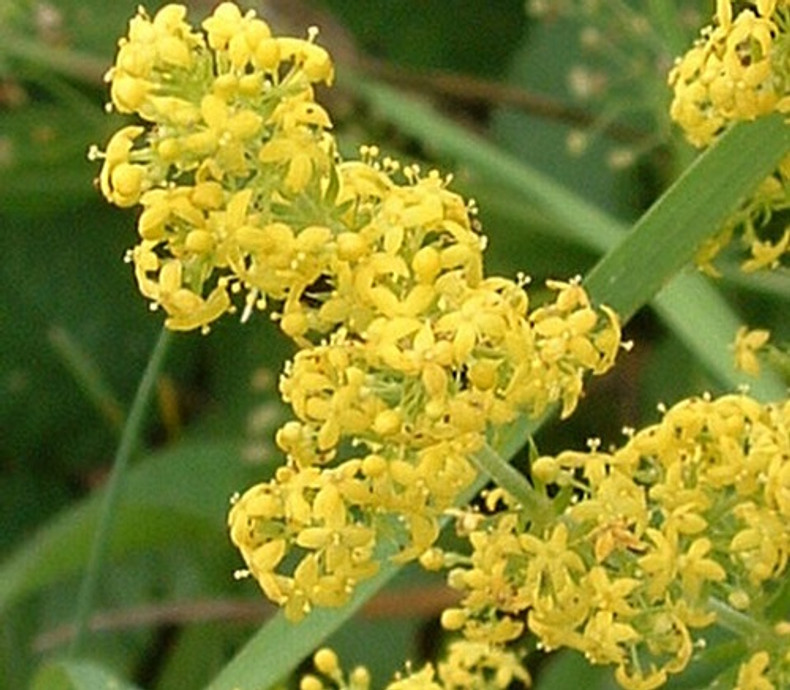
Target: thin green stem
(737, 622)
(126, 447)
(490, 463)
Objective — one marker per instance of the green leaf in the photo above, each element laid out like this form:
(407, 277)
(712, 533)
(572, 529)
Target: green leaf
(692, 209)
(178, 495)
(280, 645)
(78, 675)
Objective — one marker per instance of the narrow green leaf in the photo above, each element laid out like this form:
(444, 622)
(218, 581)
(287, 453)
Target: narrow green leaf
(692, 209)
(699, 317)
(130, 438)
(78, 674)
(280, 645)
(174, 496)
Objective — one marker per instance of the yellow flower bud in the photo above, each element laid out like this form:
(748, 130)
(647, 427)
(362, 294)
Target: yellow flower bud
(426, 264)
(199, 241)
(128, 93)
(434, 380)
(267, 55)
(126, 185)
(432, 559)
(359, 679)
(208, 195)
(453, 619)
(350, 246)
(200, 143)
(310, 683)
(251, 84)
(294, 324)
(546, 469)
(244, 124)
(387, 422)
(374, 466)
(326, 662)
(222, 25)
(483, 374)
(169, 150)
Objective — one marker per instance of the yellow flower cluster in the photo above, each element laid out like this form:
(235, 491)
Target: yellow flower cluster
(735, 71)
(748, 343)
(691, 510)
(409, 355)
(465, 666)
(738, 70)
(761, 672)
(234, 140)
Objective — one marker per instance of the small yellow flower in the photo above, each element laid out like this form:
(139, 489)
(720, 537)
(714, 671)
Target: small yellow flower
(751, 675)
(747, 344)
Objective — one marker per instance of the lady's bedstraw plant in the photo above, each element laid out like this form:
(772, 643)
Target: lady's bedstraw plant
(408, 354)
(410, 358)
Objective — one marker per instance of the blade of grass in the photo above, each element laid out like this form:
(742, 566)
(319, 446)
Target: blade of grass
(692, 308)
(277, 648)
(126, 447)
(694, 207)
(280, 645)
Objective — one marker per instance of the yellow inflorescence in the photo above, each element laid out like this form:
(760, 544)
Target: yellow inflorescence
(697, 506)
(466, 666)
(739, 69)
(409, 355)
(748, 343)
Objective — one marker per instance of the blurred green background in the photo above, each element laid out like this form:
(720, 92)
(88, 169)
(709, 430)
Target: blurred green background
(76, 334)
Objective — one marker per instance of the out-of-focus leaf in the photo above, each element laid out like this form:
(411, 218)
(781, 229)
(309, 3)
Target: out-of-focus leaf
(176, 496)
(450, 36)
(78, 675)
(43, 156)
(542, 142)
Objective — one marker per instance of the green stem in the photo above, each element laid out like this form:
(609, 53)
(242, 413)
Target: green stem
(739, 623)
(126, 447)
(490, 463)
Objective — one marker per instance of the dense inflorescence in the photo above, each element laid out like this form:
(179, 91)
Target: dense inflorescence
(738, 70)
(409, 354)
(410, 358)
(688, 522)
